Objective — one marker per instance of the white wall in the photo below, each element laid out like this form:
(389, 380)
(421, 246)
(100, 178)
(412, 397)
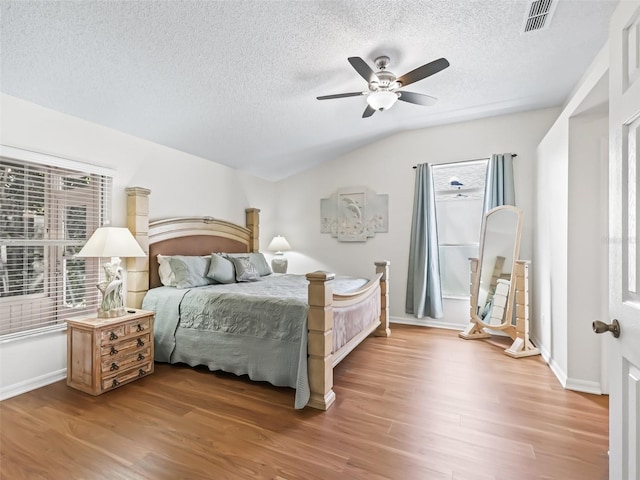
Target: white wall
(386, 167)
(180, 184)
(549, 285)
(587, 272)
(570, 250)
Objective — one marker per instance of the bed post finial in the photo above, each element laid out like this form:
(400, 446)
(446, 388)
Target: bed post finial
(252, 221)
(138, 224)
(383, 330)
(320, 346)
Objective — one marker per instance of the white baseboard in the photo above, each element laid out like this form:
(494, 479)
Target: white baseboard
(546, 355)
(584, 386)
(31, 384)
(424, 322)
(560, 374)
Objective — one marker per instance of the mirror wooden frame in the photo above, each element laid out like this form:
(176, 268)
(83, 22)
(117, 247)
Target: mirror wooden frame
(515, 295)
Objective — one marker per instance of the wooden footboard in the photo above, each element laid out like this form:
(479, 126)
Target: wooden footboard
(203, 235)
(322, 301)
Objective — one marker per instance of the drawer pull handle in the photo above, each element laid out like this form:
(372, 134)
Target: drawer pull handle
(140, 357)
(113, 351)
(141, 373)
(115, 383)
(140, 328)
(140, 343)
(113, 336)
(114, 366)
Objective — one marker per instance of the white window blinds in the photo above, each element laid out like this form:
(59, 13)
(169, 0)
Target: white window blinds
(47, 212)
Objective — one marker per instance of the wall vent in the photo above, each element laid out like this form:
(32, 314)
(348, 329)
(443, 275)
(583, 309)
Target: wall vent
(538, 14)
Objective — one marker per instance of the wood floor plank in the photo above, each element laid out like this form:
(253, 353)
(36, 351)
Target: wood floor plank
(422, 404)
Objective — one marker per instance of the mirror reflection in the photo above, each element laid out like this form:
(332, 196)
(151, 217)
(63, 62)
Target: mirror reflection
(498, 251)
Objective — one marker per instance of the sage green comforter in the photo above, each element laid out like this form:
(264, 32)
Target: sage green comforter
(253, 328)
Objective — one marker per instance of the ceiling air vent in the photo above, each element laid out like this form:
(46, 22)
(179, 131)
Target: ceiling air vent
(538, 14)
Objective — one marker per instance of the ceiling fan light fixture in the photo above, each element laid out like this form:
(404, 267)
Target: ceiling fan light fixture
(382, 100)
(384, 86)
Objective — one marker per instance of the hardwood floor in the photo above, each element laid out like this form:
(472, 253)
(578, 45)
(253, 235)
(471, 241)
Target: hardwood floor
(422, 404)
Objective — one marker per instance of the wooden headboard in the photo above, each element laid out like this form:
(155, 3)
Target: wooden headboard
(193, 236)
(179, 236)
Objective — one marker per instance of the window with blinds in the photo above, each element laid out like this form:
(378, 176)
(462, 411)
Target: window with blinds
(47, 213)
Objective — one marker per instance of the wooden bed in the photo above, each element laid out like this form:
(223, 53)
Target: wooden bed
(203, 235)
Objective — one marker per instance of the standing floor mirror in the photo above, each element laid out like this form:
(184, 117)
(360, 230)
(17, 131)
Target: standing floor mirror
(500, 283)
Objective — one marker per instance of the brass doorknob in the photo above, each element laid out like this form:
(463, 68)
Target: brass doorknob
(613, 327)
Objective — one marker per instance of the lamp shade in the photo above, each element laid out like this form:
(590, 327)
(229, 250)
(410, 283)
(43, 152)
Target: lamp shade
(382, 100)
(111, 242)
(279, 244)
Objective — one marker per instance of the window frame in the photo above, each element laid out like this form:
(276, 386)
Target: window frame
(442, 196)
(55, 221)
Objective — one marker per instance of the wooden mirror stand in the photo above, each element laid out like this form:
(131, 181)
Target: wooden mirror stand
(500, 284)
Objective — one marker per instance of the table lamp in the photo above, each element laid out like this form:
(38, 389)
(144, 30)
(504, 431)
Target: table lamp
(114, 242)
(279, 262)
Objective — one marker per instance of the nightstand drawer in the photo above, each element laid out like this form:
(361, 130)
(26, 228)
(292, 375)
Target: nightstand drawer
(113, 365)
(112, 334)
(127, 376)
(139, 326)
(125, 347)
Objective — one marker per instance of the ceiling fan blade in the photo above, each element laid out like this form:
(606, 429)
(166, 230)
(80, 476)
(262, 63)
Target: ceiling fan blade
(417, 98)
(340, 95)
(363, 69)
(368, 111)
(423, 72)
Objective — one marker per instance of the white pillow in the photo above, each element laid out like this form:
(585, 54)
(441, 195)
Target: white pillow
(167, 277)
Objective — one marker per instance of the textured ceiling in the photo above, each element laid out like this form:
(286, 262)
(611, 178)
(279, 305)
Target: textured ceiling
(235, 81)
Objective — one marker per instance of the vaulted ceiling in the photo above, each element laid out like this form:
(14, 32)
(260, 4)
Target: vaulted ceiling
(236, 81)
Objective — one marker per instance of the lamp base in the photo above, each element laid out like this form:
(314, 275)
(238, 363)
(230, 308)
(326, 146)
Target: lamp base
(279, 264)
(112, 313)
(112, 304)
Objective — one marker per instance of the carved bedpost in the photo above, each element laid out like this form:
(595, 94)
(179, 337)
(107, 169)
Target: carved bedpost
(320, 340)
(252, 222)
(383, 329)
(138, 223)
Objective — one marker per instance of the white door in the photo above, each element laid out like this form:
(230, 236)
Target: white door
(624, 244)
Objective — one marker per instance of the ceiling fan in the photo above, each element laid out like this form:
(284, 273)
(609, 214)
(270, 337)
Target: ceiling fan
(384, 86)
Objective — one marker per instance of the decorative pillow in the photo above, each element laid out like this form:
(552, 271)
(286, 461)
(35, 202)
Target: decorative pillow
(260, 263)
(245, 271)
(167, 277)
(221, 269)
(257, 259)
(189, 271)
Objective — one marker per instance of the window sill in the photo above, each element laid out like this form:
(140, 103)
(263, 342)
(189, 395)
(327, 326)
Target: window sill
(36, 332)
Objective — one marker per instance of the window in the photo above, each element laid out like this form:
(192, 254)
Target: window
(459, 197)
(48, 208)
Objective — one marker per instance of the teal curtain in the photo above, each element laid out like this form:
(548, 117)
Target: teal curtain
(498, 187)
(424, 291)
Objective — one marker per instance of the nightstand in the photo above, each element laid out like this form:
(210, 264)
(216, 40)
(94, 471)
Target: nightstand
(105, 353)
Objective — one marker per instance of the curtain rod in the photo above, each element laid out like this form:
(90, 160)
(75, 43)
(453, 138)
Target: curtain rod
(465, 161)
